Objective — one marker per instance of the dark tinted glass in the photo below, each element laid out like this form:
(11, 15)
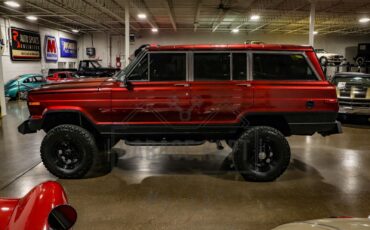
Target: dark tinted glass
(281, 67)
(140, 73)
(211, 66)
(239, 66)
(168, 67)
(62, 75)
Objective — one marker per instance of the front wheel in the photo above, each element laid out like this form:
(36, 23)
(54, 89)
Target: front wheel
(68, 151)
(261, 154)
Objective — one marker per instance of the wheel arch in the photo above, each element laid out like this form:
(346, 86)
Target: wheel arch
(53, 118)
(276, 121)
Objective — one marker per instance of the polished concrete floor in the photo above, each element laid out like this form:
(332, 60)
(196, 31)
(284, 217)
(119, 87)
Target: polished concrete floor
(194, 187)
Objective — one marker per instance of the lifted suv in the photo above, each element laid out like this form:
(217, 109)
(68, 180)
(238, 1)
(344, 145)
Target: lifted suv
(250, 95)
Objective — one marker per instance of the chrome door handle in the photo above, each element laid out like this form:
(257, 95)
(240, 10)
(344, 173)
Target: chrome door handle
(244, 84)
(183, 85)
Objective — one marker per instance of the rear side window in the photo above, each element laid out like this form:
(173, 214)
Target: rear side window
(62, 75)
(167, 67)
(281, 67)
(211, 66)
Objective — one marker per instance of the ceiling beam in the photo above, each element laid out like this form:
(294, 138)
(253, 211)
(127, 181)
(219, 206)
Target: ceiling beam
(141, 7)
(169, 7)
(59, 15)
(197, 14)
(108, 12)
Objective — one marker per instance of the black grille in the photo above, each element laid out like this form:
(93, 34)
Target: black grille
(354, 103)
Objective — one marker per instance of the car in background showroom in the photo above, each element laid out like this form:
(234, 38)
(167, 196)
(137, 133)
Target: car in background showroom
(353, 91)
(326, 58)
(44, 207)
(148, 103)
(363, 54)
(338, 223)
(19, 86)
(62, 76)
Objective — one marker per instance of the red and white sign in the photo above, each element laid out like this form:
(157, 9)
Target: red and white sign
(51, 49)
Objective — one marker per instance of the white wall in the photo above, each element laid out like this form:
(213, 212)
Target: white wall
(346, 45)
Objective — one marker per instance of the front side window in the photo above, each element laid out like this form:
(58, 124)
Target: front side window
(140, 72)
(211, 66)
(281, 67)
(167, 67)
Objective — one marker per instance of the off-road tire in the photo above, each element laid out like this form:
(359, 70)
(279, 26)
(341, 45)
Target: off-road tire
(246, 158)
(79, 137)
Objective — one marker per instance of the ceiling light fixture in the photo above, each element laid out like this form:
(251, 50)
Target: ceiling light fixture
(75, 31)
(154, 30)
(255, 17)
(13, 4)
(31, 18)
(364, 20)
(315, 32)
(236, 30)
(141, 16)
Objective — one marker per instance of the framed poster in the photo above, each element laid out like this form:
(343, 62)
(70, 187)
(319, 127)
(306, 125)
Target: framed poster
(68, 48)
(50, 49)
(24, 45)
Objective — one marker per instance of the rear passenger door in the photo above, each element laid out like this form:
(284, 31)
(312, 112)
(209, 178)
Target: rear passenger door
(220, 89)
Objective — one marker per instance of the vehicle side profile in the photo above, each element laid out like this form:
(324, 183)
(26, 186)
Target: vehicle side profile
(62, 76)
(250, 95)
(353, 93)
(326, 58)
(22, 84)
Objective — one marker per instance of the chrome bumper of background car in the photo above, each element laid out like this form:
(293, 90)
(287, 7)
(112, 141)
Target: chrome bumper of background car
(354, 110)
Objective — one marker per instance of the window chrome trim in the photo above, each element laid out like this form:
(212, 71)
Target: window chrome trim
(285, 52)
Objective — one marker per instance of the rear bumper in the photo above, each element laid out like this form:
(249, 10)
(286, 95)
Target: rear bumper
(30, 126)
(324, 128)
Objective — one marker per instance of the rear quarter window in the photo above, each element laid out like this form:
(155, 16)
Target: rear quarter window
(268, 66)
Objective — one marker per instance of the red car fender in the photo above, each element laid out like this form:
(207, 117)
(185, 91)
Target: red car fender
(32, 211)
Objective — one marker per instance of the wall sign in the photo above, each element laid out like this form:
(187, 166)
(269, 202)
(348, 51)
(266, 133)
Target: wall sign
(24, 45)
(51, 49)
(68, 48)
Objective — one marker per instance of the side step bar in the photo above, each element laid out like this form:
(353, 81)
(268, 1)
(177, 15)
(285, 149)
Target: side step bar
(163, 143)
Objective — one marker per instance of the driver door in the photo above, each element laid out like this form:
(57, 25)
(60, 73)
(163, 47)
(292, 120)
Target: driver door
(157, 92)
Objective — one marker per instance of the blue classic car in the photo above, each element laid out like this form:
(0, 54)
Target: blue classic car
(19, 86)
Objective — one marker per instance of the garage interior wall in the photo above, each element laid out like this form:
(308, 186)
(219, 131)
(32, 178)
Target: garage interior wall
(346, 45)
(11, 69)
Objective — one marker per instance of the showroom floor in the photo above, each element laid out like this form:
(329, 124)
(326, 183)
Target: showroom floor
(193, 187)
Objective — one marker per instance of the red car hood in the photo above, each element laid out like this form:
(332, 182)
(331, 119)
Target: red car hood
(31, 211)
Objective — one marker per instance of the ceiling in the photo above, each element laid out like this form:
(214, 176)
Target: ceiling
(276, 16)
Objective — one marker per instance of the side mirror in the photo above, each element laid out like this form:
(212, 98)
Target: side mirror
(62, 217)
(126, 84)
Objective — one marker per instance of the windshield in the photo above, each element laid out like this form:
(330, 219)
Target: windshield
(357, 80)
(95, 64)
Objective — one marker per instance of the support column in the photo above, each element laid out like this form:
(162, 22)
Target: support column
(312, 23)
(2, 93)
(127, 32)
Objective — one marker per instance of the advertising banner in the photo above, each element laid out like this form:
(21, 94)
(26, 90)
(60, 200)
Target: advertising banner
(51, 49)
(68, 48)
(25, 45)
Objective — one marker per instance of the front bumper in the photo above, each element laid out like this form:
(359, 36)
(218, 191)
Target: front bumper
(30, 126)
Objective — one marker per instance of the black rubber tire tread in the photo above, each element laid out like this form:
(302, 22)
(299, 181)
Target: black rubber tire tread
(80, 135)
(239, 154)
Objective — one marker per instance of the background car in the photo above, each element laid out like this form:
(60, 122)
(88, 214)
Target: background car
(329, 58)
(353, 93)
(62, 76)
(44, 207)
(19, 86)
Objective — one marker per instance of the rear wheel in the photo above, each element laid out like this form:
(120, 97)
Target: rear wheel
(360, 61)
(261, 154)
(68, 151)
